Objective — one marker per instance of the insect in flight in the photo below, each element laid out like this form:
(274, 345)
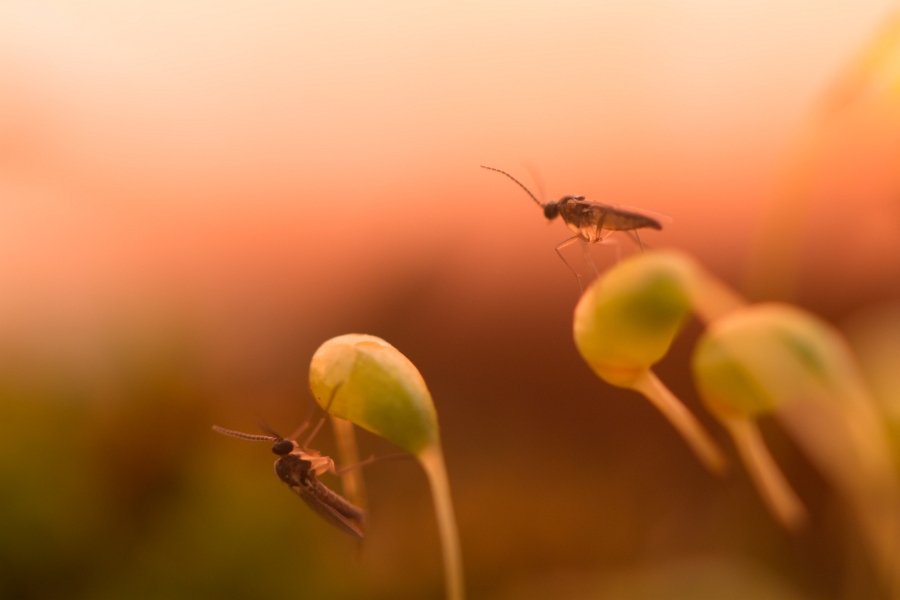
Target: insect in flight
(591, 222)
(299, 467)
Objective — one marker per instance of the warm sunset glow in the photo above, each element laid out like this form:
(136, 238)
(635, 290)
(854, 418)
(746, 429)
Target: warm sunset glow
(195, 195)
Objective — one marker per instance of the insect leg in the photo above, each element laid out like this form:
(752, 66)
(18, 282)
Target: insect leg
(585, 247)
(348, 468)
(633, 234)
(313, 433)
(601, 239)
(369, 461)
(300, 430)
(560, 247)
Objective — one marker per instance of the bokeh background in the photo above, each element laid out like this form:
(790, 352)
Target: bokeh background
(194, 195)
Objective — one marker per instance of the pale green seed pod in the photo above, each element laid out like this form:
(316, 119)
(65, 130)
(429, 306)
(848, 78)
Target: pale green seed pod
(756, 359)
(365, 380)
(776, 358)
(626, 321)
(378, 389)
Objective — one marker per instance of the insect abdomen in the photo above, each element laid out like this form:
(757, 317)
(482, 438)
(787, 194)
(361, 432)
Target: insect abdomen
(589, 219)
(621, 220)
(330, 498)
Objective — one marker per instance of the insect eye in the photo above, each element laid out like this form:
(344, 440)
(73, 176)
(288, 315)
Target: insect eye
(282, 447)
(551, 210)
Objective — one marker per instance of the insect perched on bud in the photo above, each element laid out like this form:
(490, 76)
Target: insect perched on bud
(299, 467)
(591, 222)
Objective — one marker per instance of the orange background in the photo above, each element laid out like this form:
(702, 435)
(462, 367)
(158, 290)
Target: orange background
(194, 196)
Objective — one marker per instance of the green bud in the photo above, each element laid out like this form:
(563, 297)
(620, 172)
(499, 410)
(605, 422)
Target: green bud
(777, 358)
(626, 320)
(755, 359)
(377, 388)
(365, 380)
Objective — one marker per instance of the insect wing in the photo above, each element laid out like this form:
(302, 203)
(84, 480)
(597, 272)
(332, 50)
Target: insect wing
(615, 217)
(327, 512)
(655, 218)
(652, 214)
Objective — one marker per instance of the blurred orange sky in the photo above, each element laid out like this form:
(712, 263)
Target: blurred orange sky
(152, 147)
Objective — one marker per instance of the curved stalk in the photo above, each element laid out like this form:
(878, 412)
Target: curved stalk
(767, 477)
(352, 481)
(704, 447)
(432, 460)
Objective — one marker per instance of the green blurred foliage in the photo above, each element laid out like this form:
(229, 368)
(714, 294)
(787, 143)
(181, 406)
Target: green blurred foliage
(113, 486)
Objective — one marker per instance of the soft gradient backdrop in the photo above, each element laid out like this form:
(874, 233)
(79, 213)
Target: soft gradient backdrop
(195, 195)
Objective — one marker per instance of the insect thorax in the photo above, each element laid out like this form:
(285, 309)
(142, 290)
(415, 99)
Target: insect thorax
(583, 219)
(292, 469)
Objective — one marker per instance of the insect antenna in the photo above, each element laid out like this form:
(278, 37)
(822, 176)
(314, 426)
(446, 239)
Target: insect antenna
(521, 185)
(568, 264)
(244, 436)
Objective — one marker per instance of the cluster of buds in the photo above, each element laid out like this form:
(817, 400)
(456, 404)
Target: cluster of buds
(752, 360)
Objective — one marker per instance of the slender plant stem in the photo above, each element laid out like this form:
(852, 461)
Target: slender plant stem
(351, 481)
(768, 478)
(704, 447)
(432, 460)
